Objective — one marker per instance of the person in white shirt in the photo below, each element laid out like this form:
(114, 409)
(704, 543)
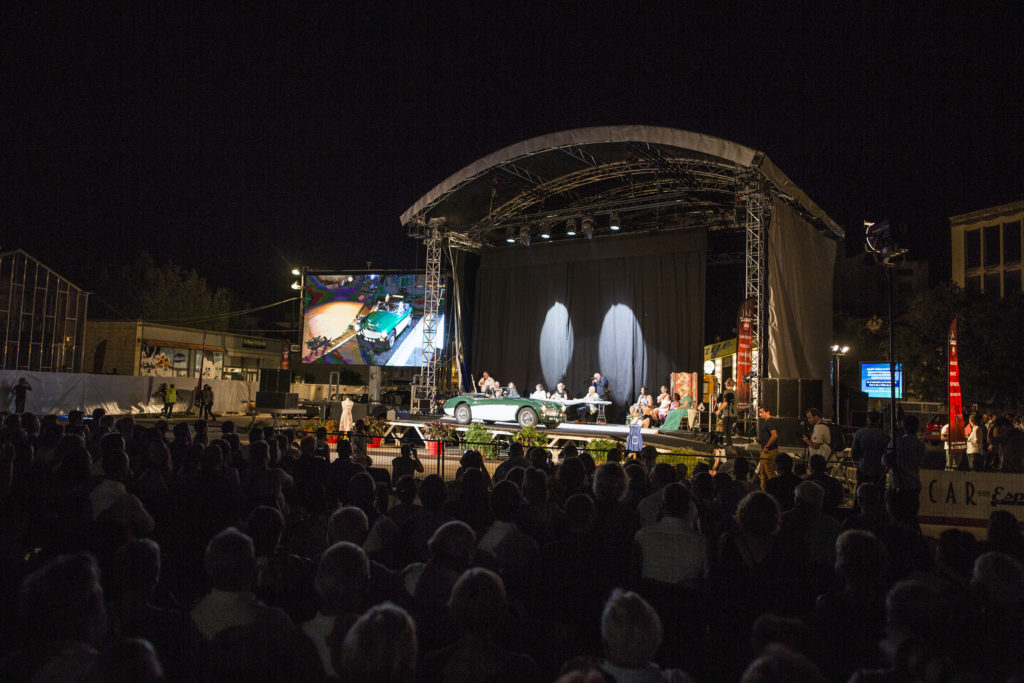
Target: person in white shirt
(539, 392)
(818, 441)
(484, 381)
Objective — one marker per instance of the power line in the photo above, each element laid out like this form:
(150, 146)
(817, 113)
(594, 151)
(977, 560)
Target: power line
(225, 315)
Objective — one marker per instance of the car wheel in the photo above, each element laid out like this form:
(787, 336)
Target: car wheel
(527, 417)
(390, 340)
(462, 414)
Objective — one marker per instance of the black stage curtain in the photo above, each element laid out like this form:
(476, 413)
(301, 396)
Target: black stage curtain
(630, 307)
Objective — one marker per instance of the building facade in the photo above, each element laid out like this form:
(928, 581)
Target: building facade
(987, 249)
(148, 349)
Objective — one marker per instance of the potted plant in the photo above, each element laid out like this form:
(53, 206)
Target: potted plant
(529, 437)
(439, 433)
(598, 448)
(310, 427)
(376, 427)
(480, 438)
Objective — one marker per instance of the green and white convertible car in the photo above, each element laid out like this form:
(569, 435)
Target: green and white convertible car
(386, 322)
(528, 412)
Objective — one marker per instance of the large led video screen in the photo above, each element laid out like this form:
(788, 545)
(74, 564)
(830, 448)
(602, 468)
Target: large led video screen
(875, 380)
(365, 319)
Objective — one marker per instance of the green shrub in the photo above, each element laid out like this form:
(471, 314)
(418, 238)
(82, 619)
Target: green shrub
(530, 437)
(480, 438)
(598, 448)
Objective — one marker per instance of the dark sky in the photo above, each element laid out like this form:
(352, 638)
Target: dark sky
(238, 141)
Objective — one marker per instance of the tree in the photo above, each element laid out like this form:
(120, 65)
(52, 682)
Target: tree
(167, 293)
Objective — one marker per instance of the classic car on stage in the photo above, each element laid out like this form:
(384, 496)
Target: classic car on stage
(528, 412)
(386, 322)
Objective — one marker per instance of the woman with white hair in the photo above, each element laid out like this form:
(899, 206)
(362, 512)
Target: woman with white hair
(631, 634)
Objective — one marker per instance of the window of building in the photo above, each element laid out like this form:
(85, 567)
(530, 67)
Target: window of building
(992, 246)
(1011, 242)
(974, 284)
(991, 284)
(972, 248)
(1011, 282)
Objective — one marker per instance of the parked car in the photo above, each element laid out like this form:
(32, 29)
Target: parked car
(933, 428)
(528, 412)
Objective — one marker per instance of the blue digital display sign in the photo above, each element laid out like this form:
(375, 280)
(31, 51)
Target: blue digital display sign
(875, 380)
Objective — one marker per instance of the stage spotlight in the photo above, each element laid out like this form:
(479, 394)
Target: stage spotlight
(510, 236)
(614, 223)
(296, 285)
(545, 231)
(587, 227)
(524, 235)
(570, 227)
(295, 271)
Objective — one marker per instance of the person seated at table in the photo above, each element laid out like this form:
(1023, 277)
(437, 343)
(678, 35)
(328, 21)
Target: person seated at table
(587, 412)
(539, 392)
(559, 392)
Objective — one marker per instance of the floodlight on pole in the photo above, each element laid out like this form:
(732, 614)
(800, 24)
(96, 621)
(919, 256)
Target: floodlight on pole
(614, 224)
(545, 231)
(570, 227)
(838, 351)
(510, 236)
(587, 227)
(295, 271)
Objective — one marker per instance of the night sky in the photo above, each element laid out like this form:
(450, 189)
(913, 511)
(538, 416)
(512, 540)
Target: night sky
(241, 141)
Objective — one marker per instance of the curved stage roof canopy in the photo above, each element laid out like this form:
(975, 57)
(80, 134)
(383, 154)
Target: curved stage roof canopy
(649, 177)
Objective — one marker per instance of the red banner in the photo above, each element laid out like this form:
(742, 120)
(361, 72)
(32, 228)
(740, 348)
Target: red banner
(957, 440)
(744, 352)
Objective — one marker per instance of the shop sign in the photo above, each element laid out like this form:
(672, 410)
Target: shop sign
(250, 343)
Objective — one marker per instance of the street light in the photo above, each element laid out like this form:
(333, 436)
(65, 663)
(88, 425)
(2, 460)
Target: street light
(837, 353)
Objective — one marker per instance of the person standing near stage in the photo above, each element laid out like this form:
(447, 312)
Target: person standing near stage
(818, 440)
(484, 382)
(768, 437)
(868, 448)
(977, 443)
(600, 384)
(726, 410)
(206, 403)
(20, 391)
(905, 464)
(170, 398)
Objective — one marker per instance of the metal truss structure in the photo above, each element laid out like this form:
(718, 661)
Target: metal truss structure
(424, 390)
(42, 317)
(757, 212)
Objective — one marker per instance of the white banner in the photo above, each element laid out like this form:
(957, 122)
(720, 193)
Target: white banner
(966, 499)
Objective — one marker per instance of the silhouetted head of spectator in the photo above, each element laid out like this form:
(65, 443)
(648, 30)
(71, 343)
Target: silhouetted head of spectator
(1000, 579)
(609, 483)
(630, 630)
(703, 485)
(682, 471)
(783, 463)
(614, 455)
(515, 475)
(362, 491)
(869, 498)
(817, 463)
(344, 450)
(473, 485)
(137, 565)
(161, 426)
(1004, 532)
(348, 524)
(97, 415)
(779, 664)
(662, 475)
(910, 423)
(63, 601)
(408, 450)
(307, 446)
(473, 458)
(200, 427)
(128, 659)
(259, 454)
(478, 603)
(158, 456)
(115, 466)
(230, 561)
(701, 466)
(790, 632)
(11, 421)
(649, 456)
(233, 442)
(268, 433)
(405, 489)
(570, 451)
(126, 426)
(265, 526)
(182, 433)
(505, 501)
(433, 492)
(380, 646)
(341, 579)
(580, 513)
(589, 466)
(227, 427)
(809, 494)
(637, 476)
(758, 514)
(453, 545)
(535, 486)
(539, 458)
(861, 559)
(515, 450)
(902, 509)
(76, 465)
(570, 474)
(211, 459)
(76, 417)
(676, 501)
(958, 549)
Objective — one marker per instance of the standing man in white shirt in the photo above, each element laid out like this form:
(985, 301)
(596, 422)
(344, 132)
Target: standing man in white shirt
(818, 441)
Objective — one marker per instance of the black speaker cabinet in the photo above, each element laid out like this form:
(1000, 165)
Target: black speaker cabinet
(275, 380)
(791, 397)
(271, 400)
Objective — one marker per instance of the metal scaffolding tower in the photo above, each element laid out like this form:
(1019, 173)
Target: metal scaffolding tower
(424, 394)
(758, 211)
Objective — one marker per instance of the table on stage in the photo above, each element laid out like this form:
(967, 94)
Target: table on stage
(566, 402)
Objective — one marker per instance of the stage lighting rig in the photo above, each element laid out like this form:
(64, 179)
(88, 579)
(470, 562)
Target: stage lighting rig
(524, 235)
(880, 241)
(614, 224)
(510, 236)
(545, 231)
(570, 227)
(587, 227)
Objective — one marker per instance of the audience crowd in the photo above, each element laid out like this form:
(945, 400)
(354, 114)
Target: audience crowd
(142, 553)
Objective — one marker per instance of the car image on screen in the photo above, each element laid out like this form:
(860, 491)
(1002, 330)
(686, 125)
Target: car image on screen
(385, 322)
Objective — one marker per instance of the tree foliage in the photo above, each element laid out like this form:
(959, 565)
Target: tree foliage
(167, 293)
